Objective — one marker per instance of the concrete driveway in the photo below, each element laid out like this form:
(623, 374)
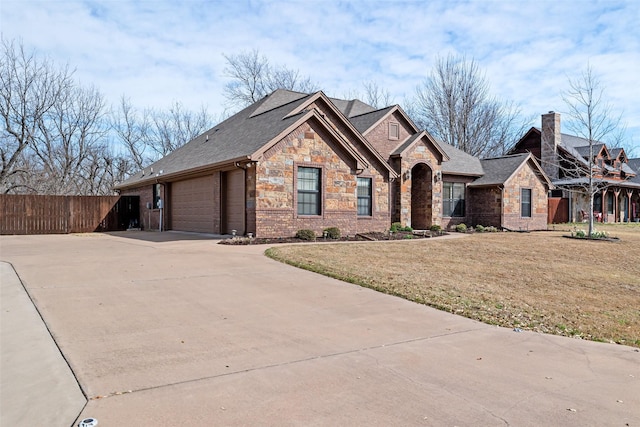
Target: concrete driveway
(172, 329)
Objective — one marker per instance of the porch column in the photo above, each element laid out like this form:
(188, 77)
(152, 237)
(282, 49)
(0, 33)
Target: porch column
(616, 205)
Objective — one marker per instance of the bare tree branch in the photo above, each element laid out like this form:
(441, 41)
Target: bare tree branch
(454, 104)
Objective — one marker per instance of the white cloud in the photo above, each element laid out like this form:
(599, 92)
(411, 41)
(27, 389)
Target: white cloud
(157, 52)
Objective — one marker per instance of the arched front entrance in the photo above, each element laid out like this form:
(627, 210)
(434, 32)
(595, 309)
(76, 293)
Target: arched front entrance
(421, 197)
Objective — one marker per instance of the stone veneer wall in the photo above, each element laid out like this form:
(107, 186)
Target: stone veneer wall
(512, 216)
(276, 195)
(402, 210)
(549, 141)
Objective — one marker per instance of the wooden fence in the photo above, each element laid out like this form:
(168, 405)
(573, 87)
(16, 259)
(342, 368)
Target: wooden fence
(38, 214)
(558, 212)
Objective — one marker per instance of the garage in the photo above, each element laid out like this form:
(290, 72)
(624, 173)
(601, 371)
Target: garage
(233, 206)
(193, 205)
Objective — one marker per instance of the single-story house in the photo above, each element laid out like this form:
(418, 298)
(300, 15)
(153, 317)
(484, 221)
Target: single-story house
(296, 161)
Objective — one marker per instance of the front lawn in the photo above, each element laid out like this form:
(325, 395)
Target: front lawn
(534, 281)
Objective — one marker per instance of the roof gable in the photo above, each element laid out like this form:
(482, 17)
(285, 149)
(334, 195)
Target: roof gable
(498, 170)
(319, 98)
(414, 139)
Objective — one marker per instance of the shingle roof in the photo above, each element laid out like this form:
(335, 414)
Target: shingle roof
(498, 170)
(237, 137)
(351, 108)
(460, 163)
(584, 150)
(634, 165)
(364, 121)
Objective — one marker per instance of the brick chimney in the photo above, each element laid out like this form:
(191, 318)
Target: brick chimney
(549, 141)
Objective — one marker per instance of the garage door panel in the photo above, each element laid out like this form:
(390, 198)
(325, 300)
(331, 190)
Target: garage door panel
(193, 205)
(234, 201)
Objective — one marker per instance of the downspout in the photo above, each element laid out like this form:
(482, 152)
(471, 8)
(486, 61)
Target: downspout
(244, 191)
(501, 205)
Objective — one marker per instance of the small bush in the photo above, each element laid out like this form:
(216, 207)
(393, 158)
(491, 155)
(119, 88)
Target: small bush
(395, 227)
(480, 228)
(332, 232)
(599, 235)
(408, 236)
(461, 228)
(407, 228)
(306, 234)
(491, 229)
(435, 227)
(581, 233)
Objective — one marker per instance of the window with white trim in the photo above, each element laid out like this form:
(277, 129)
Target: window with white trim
(364, 197)
(453, 199)
(525, 202)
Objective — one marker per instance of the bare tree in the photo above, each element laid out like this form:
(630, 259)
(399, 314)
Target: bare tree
(151, 133)
(132, 129)
(454, 103)
(30, 87)
(175, 127)
(374, 95)
(71, 135)
(253, 77)
(593, 120)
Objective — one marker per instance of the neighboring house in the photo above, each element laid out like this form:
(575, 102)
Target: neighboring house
(296, 161)
(565, 159)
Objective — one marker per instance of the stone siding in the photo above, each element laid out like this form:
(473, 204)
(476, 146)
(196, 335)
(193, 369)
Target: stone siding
(512, 215)
(276, 193)
(419, 154)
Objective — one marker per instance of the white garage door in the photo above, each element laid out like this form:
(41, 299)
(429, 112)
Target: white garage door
(192, 205)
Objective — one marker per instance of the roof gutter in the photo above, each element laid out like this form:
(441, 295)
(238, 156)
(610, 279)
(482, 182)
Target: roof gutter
(175, 176)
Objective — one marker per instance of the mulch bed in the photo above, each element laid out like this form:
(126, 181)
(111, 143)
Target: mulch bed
(360, 237)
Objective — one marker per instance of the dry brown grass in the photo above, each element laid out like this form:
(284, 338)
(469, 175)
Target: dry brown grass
(535, 281)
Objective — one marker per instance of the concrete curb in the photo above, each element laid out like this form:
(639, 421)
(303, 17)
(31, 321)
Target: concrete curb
(37, 386)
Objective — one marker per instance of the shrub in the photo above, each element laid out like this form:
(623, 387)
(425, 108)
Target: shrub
(435, 227)
(407, 228)
(395, 227)
(479, 228)
(599, 235)
(491, 229)
(306, 234)
(581, 233)
(332, 232)
(461, 228)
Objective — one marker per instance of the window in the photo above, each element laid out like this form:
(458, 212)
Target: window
(394, 130)
(309, 191)
(610, 203)
(453, 199)
(156, 195)
(364, 197)
(525, 202)
(597, 202)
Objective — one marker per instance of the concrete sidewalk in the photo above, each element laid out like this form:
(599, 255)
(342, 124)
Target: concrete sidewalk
(162, 330)
(37, 386)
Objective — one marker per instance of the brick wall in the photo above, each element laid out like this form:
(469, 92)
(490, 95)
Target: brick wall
(485, 206)
(379, 136)
(149, 219)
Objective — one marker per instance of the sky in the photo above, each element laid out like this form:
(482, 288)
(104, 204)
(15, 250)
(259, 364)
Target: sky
(157, 52)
